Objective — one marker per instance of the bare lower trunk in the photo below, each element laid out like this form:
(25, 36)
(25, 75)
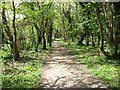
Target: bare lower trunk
(7, 28)
(101, 33)
(15, 50)
(44, 41)
(65, 39)
(50, 37)
(87, 36)
(39, 37)
(80, 42)
(93, 43)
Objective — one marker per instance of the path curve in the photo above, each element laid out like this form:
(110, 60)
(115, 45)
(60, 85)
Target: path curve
(63, 71)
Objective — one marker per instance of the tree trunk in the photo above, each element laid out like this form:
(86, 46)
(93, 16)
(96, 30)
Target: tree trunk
(80, 42)
(87, 36)
(93, 43)
(101, 32)
(44, 41)
(13, 43)
(109, 26)
(117, 27)
(39, 37)
(98, 37)
(50, 37)
(32, 39)
(72, 39)
(65, 39)
(15, 49)
(92, 37)
(7, 28)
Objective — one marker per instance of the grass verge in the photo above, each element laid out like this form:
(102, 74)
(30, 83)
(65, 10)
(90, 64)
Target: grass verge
(24, 73)
(104, 68)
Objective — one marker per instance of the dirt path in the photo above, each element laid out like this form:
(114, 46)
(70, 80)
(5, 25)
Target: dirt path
(63, 71)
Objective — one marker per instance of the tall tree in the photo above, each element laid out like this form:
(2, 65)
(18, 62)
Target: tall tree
(107, 30)
(15, 48)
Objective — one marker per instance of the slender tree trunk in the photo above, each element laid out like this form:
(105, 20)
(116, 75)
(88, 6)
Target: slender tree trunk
(101, 32)
(50, 37)
(72, 39)
(13, 43)
(92, 37)
(56, 34)
(32, 39)
(7, 28)
(87, 36)
(109, 26)
(65, 39)
(93, 43)
(39, 37)
(44, 41)
(16, 52)
(117, 26)
(80, 42)
(98, 37)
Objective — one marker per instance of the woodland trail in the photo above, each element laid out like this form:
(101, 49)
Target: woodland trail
(63, 71)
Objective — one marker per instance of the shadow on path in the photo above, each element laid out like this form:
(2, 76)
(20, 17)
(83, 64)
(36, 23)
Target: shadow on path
(63, 71)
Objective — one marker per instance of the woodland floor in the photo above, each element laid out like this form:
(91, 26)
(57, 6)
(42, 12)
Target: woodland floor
(63, 71)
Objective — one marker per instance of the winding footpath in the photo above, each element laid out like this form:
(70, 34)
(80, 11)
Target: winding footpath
(63, 71)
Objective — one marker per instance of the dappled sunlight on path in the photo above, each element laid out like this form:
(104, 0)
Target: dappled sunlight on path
(63, 71)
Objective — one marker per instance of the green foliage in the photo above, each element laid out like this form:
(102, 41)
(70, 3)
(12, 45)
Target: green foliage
(5, 53)
(110, 74)
(26, 77)
(26, 72)
(64, 43)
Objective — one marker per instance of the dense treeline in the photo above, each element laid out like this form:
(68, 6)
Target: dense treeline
(28, 25)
